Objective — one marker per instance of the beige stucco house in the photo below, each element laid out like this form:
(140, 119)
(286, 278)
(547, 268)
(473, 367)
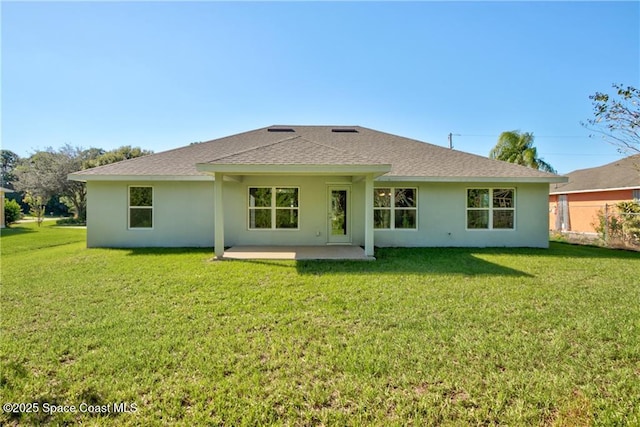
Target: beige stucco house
(315, 185)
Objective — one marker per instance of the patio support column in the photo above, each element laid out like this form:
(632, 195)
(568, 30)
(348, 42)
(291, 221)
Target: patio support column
(368, 215)
(218, 216)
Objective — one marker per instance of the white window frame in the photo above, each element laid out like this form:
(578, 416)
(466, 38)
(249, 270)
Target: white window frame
(635, 195)
(392, 208)
(490, 208)
(130, 207)
(273, 208)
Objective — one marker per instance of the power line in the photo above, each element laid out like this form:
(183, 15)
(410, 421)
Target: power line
(536, 136)
(578, 154)
(561, 136)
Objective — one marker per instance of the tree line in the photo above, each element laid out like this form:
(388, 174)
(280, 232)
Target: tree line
(40, 181)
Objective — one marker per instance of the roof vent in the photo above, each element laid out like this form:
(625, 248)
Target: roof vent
(280, 130)
(344, 130)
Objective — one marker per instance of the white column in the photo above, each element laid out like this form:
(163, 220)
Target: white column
(218, 212)
(368, 216)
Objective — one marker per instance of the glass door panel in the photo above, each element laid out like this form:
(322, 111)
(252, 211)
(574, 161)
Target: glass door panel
(339, 229)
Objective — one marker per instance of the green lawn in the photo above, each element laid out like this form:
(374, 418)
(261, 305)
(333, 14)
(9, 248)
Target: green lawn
(420, 336)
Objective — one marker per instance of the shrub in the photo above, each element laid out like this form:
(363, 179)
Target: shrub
(620, 224)
(71, 221)
(630, 212)
(12, 212)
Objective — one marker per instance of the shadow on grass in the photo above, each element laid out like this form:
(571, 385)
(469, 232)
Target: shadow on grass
(573, 250)
(15, 230)
(165, 251)
(458, 261)
(399, 261)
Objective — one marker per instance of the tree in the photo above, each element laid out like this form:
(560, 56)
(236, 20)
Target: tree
(9, 162)
(57, 207)
(517, 147)
(44, 173)
(617, 118)
(36, 206)
(125, 152)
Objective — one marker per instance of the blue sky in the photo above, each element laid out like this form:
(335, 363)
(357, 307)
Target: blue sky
(161, 75)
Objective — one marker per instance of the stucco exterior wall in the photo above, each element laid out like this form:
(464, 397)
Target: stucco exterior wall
(442, 218)
(182, 215)
(584, 207)
(313, 211)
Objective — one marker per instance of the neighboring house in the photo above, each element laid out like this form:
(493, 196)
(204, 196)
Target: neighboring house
(315, 185)
(574, 206)
(2, 191)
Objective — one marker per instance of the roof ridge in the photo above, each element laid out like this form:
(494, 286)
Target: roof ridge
(310, 150)
(630, 158)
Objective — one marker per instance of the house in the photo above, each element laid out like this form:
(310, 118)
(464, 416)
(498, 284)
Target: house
(574, 205)
(315, 185)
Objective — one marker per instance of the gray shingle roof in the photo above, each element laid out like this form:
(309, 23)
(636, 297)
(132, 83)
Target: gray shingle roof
(321, 145)
(623, 173)
(295, 151)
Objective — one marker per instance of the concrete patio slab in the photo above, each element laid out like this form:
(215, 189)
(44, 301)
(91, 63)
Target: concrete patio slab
(335, 252)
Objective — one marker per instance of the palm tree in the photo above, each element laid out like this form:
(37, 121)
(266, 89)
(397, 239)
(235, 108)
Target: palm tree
(517, 147)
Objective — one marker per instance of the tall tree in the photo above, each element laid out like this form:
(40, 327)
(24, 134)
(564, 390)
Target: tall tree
(617, 118)
(125, 152)
(9, 162)
(45, 173)
(517, 147)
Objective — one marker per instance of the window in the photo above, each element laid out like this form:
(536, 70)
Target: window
(636, 195)
(140, 207)
(273, 208)
(395, 208)
(490, 208)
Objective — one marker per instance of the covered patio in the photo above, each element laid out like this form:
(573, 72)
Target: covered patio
(357, 173)
(328, 252)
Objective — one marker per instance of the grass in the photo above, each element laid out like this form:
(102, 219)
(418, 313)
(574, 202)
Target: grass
(420, 336)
